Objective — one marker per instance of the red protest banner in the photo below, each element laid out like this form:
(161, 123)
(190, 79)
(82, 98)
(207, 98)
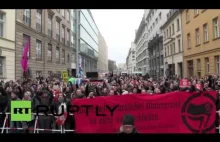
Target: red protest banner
(176, 112)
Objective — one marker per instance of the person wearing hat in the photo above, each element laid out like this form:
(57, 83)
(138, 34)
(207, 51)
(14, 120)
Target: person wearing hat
(128, 126)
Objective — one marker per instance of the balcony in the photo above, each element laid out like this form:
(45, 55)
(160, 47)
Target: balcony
(49, 33)
(57, 37)
(38, 27)
(26, 20)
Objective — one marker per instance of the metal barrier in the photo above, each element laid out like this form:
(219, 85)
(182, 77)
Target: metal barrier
(35, 129)
(62, 129)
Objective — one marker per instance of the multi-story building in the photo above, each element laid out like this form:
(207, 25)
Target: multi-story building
(7, 44)
(154, 20)
(48, 31)
(102, 55)
(131, 59)
(86, 40)
(141, 48)
(172, 44)
(111, 65)
(201, 40)
(73, 41)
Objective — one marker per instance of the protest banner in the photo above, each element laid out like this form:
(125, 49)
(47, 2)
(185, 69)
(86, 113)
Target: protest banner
(65, 76)
(176, 112)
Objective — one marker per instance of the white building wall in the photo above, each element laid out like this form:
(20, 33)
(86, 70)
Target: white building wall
(175, 38)
(7, 45)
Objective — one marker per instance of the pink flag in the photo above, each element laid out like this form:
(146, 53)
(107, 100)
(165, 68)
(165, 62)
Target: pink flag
(24, 59)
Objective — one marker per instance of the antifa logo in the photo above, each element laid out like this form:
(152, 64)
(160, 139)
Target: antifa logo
(199, 113)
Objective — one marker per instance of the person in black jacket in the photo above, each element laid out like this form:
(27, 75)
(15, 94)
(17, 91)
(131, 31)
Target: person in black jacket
(128, 126)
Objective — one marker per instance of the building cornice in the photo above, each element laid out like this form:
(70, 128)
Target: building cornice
(171, 17)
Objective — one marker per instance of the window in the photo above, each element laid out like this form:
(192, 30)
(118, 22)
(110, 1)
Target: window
(25, 40)
(168, 50)
(27, 17)
(49, 22)
(68, 37)
(62, 12)
(178, 24)
(57, 31)
(63, 34)
(73, 58)
(38, 73)
(38, 50)
(173, 29)
(156, 21)
(187, 15)
(197, 37)
(49, 53)
(39, 20)
(174, 48)
(57, 54)
(216, 27)
(188, 40)
(171, 50)
(196, 12)
(153, 25)
(68, 15)
(165, 51)
(2, 24)
(198, 64)
(160, 16)
(217, 64)
(167, 34)
(169, 31)
(68, 58)
(63, 56)
(207, 65)
(179, 45)
(2, 66)
(164, 36)
(205, 31)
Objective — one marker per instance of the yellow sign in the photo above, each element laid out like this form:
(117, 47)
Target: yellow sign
(65, 76)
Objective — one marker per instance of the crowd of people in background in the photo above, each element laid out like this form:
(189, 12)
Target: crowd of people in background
(52, 91)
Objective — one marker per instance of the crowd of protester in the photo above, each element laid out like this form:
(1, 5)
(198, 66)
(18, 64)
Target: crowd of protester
(52, 91)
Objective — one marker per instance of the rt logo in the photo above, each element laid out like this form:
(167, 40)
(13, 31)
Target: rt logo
(20, 110)
(197, 111)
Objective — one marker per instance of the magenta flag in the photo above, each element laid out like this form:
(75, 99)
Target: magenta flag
(24, 59)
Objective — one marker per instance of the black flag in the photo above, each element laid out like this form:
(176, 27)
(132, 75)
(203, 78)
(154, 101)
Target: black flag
(197, 112)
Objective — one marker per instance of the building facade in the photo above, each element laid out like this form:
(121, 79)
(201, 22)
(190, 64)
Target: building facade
(111, 65)
(172, 44)
(154, 20)
(102, 55)
(141, 48)
(73, 18)
(7, 44)
(86, 40)
(131, 59)
(48, 31)
(201, 40)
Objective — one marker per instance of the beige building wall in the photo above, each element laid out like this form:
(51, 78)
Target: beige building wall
(44, 66)
(102, 55)
(203, 57)
(7, 45)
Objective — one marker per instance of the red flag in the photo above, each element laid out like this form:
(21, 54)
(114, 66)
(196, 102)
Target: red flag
(24, 59)
(184, 83)
(198, 86)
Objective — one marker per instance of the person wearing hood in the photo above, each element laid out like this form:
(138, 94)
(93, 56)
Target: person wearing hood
(13, 124)
(128, 126)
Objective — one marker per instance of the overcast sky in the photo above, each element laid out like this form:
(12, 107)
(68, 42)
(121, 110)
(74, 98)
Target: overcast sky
(118, 29)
